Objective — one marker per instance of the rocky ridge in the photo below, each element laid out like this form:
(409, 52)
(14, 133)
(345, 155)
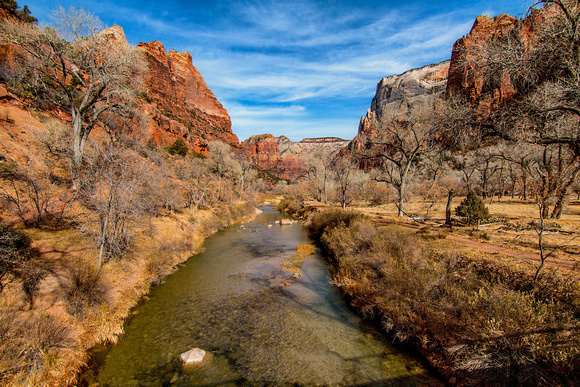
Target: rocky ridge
(468, 78)
(396, 95)
(283, 157)
(180, 103)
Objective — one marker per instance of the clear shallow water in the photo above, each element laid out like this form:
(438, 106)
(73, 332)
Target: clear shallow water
(260, 325)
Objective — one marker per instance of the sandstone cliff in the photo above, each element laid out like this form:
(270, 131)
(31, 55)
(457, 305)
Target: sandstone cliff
(179, 102)
(466, 74)
(396, 95)
(284, 158)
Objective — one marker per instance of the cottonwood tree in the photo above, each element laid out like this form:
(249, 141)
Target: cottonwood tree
(229, 166)
(401, 142)
(319, 173)
(112, 189)
(347, 178)
(75, 66)
(197, 180)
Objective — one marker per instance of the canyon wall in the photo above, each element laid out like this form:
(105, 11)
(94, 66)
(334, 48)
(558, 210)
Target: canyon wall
(396, 95)
(179, 102)
(284, 158)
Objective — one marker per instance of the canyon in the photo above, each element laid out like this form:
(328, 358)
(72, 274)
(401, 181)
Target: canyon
(178, 104)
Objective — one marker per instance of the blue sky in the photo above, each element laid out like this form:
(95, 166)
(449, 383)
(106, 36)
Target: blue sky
(295, 68)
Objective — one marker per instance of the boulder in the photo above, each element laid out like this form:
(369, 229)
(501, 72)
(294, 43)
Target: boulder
(193, 357)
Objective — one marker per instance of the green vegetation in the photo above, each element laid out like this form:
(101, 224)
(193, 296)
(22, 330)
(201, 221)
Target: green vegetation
(178, 148)
(13, 9)
(472, 209)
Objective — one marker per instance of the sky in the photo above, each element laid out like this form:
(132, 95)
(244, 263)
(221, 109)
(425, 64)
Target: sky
(297, 68)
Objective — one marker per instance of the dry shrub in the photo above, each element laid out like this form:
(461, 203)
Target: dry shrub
(478, 322)
(84, 288)
(160, 264)
(326, 220)
(35, 347)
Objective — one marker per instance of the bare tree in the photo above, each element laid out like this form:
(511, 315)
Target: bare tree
(116, 177)
(319, 173)
(347, 177)
(402, 141)
(86, 72)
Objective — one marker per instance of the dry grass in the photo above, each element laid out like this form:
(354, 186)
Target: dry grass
(294, 263)
(476, 319)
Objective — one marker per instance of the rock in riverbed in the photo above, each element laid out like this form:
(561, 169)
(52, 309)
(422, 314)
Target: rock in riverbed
(192, 357)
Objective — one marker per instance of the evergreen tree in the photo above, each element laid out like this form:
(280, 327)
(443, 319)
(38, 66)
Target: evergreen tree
(472, 209)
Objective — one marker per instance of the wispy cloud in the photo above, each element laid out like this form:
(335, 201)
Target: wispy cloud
(306, 67)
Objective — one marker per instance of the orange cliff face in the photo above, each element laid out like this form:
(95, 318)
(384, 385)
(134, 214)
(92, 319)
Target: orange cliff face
(467, 75)
(179, 102)
(176, 101)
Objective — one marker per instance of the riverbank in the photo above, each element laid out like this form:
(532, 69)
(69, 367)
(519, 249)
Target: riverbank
(78, 307)
(475, 320)
(261, 323)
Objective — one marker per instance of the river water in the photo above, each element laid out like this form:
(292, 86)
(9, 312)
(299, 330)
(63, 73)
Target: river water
(260, 325)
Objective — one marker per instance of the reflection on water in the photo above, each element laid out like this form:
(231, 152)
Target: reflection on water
(261, 326)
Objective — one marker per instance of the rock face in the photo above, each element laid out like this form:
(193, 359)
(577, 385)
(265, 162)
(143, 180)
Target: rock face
(467, 76)
(284, 158)
(180, 103)
(400, 94)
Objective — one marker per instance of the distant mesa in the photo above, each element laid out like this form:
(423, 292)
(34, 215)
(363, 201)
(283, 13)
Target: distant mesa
(284, 158)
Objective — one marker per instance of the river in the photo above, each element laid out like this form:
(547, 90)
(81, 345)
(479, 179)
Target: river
(260, 325)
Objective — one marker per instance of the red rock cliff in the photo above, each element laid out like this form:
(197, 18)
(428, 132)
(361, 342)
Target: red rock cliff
(284, 158)
(179, 101)
(466, 73)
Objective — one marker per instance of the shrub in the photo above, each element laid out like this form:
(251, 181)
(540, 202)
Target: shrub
(84, 288)
(329, 219)
(472, 209)
(30, 346)
(178, 148)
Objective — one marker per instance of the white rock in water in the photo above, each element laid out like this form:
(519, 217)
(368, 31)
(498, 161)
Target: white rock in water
(258, 211)
(194, 356)
(286, 221)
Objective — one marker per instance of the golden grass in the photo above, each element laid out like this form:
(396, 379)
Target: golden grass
(294, 263)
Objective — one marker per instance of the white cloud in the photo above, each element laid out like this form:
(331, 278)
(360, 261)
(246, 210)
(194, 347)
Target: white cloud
(275, 64)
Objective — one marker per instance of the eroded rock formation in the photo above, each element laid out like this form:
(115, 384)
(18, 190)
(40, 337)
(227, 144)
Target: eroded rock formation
(412, 91)
(468, 75)
(179, 102)
(284, 158)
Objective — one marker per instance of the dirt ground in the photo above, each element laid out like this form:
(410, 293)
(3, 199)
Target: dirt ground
(510, 234)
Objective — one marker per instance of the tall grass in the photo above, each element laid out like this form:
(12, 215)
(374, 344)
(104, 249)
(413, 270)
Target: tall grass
(476, 321)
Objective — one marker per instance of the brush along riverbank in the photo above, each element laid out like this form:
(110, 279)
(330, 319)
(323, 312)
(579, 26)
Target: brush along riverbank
(476, 319)
(45, 339)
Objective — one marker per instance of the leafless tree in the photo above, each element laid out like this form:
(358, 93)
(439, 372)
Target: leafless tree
(74, 66)
(403, 141)
(112, 189)
(347, 177)
(319, 173)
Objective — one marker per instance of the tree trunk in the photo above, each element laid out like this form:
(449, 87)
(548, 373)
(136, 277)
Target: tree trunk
(557, 211)
(401, 203)
(448, 207)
